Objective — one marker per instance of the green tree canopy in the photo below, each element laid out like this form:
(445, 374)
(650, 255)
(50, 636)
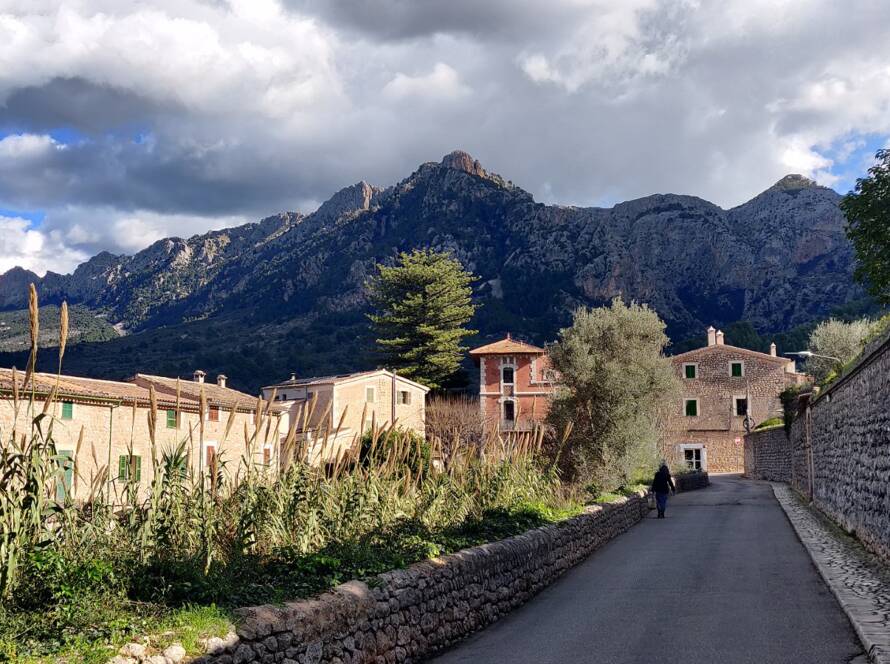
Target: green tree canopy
(867, 208)
(615, 384)
(422, 303)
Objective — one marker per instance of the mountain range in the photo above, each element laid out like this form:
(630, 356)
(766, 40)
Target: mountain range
(287, 293)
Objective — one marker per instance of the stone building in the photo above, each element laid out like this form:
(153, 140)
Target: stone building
(722, 386)
(516, 382)
(103, 426)
(331, 412)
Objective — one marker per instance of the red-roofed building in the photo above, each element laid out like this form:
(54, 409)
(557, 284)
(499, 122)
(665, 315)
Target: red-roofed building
(515, 383)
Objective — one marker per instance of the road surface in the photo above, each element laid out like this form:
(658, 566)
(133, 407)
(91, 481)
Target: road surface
(722, 580)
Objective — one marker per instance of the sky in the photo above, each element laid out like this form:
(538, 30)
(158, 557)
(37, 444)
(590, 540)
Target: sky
(124, 121)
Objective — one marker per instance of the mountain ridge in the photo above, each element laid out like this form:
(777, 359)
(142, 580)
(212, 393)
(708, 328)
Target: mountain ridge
(778, 261)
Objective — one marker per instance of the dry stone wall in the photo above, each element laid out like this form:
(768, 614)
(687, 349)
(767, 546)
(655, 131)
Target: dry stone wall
(838, 452)
(691, 481)
(849, 432)
(768, 455)
(406, 615)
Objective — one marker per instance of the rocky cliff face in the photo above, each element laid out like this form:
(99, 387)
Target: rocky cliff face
(778, 260)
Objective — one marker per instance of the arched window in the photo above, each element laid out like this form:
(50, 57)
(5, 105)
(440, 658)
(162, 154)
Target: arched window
(507, 375)
(509, 411)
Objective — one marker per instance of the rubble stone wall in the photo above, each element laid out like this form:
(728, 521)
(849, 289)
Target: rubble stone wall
(768, 455)
(849, 432)
(406, 615)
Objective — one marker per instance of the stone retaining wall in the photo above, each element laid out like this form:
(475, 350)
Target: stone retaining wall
(408, 614)
(768, 455)
(849, 436)
(691, 481)
(838, 452)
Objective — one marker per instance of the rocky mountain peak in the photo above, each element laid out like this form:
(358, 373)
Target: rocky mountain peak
(355, 198)
(462, 161)
(793, 182)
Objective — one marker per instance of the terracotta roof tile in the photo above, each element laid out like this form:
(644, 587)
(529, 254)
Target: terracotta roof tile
(507, 346)
(135, 390)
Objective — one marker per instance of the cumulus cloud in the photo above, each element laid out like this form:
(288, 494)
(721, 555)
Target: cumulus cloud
(442, 83)
(22, 246)
(125, 121)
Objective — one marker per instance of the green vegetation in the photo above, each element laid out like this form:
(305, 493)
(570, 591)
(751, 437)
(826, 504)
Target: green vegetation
(770, 423)
(789, 398)
(867, 209)
(171, 557)
(423, 303)
(84, 326)
(616, 383)
(844, 341)
(839, 340)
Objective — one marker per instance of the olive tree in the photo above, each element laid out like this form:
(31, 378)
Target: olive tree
(614, 389)
(836, 339)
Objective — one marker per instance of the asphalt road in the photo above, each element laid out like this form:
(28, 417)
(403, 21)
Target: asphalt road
(722, 580)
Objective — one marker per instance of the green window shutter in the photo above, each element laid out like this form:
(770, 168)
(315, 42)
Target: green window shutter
(736, 369)
(137, 465)
(123, 468)
(66, 478)
(67, 410)
(691, 408)
(690, 371)
(171, 419)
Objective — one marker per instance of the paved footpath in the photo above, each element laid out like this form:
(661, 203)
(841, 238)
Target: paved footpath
(722, 580)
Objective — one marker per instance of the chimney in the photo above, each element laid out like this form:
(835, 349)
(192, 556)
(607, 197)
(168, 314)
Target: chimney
(199, 376)
(293, 378)
(712, 336)
(508, 336)
(772, 349)
(221, 380)
(719, 337)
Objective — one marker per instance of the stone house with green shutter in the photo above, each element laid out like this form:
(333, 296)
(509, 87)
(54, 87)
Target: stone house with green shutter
(101, 429)
(723, 389)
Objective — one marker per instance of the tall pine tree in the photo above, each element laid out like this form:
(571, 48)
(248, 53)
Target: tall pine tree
(422, 303)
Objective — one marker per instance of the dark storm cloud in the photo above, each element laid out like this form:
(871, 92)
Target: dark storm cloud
(76, 102)
(180, 115)
(409, 19)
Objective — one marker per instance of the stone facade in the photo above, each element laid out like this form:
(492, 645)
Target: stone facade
(768, 455)
(113, 418)
(406, 615)
(721, 385)
(841, 440)
(332, 412)
(515, 384)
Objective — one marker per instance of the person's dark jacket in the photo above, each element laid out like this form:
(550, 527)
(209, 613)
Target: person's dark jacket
(662, 482)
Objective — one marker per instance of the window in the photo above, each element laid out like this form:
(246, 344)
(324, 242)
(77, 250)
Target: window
(370, 394)
(689, 370)
(693, 457)
(509, 411)
(129, 467)
(507, 375)
(65, 460)
(267, 455)
(741, 406)
(403, 397)
(67, 410)
(213, 414)
(172, 420)
(691, 407)
(736, 369)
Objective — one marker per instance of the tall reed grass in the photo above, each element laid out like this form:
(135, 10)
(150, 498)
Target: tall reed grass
(235, 533)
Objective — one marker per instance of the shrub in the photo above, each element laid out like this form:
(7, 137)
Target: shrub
(771, 422)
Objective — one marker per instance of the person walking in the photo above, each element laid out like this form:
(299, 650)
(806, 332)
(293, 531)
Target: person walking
(661, 486)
